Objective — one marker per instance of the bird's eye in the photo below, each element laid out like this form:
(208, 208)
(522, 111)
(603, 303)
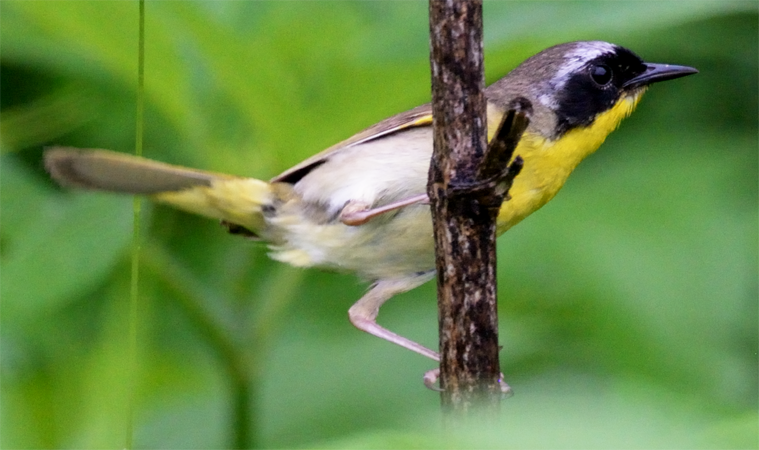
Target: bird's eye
(601, 74)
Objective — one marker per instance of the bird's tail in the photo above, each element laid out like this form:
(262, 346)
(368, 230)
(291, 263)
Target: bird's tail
(233, 199)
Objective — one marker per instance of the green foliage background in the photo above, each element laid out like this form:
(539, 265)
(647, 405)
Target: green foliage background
(628, 305)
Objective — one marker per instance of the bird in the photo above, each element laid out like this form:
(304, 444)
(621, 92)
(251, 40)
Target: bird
(361, 205)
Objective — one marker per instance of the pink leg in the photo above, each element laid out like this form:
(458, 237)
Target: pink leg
(363, 313)
(354, 214)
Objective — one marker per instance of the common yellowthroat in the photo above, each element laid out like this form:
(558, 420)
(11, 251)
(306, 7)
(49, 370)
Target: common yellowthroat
(360, 204)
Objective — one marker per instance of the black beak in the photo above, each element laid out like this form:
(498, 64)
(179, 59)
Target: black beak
(658, 72)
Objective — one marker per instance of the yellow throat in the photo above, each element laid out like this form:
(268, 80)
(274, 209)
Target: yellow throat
(548, 163)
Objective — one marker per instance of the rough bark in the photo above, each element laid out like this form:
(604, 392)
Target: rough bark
(467, 184)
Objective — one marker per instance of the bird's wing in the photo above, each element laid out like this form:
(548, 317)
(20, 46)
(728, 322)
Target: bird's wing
(417, 117)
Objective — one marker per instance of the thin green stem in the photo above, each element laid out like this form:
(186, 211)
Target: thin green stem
(133, 319)
(243, 436)
(139, 127)
(134, 294)
(275, 297)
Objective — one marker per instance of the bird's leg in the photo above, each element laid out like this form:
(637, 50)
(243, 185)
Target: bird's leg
(357, 213)
(363, 313)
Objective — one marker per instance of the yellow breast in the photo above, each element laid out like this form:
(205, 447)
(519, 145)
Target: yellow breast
(548, 163)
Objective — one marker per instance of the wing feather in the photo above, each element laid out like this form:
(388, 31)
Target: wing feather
(418, 117)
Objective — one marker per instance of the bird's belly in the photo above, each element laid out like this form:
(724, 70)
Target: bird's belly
(390, 246)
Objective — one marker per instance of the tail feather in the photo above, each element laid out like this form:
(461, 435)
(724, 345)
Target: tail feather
(117, 172)
(233, 199)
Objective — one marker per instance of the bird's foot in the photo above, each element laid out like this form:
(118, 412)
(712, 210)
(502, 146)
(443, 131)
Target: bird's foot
(431, 378)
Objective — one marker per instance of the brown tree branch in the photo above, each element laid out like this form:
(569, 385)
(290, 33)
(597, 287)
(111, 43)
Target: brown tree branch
(468, 181)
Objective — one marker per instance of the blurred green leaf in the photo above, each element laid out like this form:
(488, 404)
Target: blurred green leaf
(586, 19)
(734, 433)
(44, 119)
(55, 246)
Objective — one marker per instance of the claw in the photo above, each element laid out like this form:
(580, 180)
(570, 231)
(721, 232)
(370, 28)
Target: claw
(431, 378)
(506, 390)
